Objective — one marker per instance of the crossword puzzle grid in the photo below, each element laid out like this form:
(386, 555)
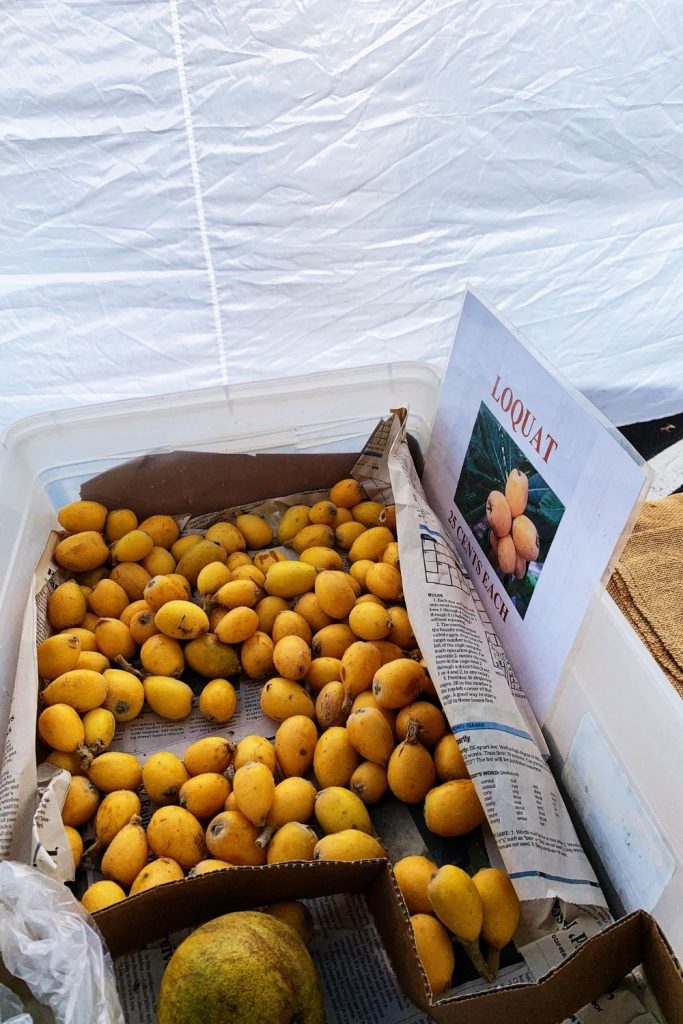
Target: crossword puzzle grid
(439, 563)
(497, 653)
(377, 443)
(499, 659)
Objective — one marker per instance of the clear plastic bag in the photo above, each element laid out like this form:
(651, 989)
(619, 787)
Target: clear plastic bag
(49, 941)
(11, 1008)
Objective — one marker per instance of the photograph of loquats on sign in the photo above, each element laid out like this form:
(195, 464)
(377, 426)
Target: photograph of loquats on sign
(509, 507)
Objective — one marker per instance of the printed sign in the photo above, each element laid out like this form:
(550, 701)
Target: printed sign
(535, 489)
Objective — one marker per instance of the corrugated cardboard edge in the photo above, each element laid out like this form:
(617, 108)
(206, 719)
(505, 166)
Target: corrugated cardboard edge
(590, 972)
(158, 912)
(392, 918)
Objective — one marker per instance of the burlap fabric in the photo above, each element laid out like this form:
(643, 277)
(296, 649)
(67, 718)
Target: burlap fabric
(647, 583)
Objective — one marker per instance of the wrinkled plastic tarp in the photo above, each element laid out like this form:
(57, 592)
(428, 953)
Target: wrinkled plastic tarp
(196, 192)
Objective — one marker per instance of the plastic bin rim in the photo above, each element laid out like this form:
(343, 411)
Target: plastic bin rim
(268, 388)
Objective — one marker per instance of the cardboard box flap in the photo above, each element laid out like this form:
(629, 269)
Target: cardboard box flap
(162, 910)
(589, 973)
(663, 970)
(200, 482)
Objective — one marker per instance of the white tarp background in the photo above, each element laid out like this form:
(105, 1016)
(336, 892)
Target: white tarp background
(196, 192)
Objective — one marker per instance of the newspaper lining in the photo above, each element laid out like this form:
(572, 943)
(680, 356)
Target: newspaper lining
(486, 708)
(480, 697)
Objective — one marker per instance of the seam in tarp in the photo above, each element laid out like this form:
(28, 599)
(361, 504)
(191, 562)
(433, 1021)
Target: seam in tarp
(199, 199)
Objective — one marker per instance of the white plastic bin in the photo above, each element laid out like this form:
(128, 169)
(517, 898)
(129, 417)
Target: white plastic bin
(44, 459)
(615, 694)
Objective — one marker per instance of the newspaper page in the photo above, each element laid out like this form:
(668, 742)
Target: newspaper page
(631, 1002)
(18, 777)
(22, 794)
(530, 824)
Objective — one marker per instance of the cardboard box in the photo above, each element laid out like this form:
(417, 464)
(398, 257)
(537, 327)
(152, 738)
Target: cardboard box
(595, 967)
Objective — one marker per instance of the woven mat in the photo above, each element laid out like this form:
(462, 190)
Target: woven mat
(647, 583)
